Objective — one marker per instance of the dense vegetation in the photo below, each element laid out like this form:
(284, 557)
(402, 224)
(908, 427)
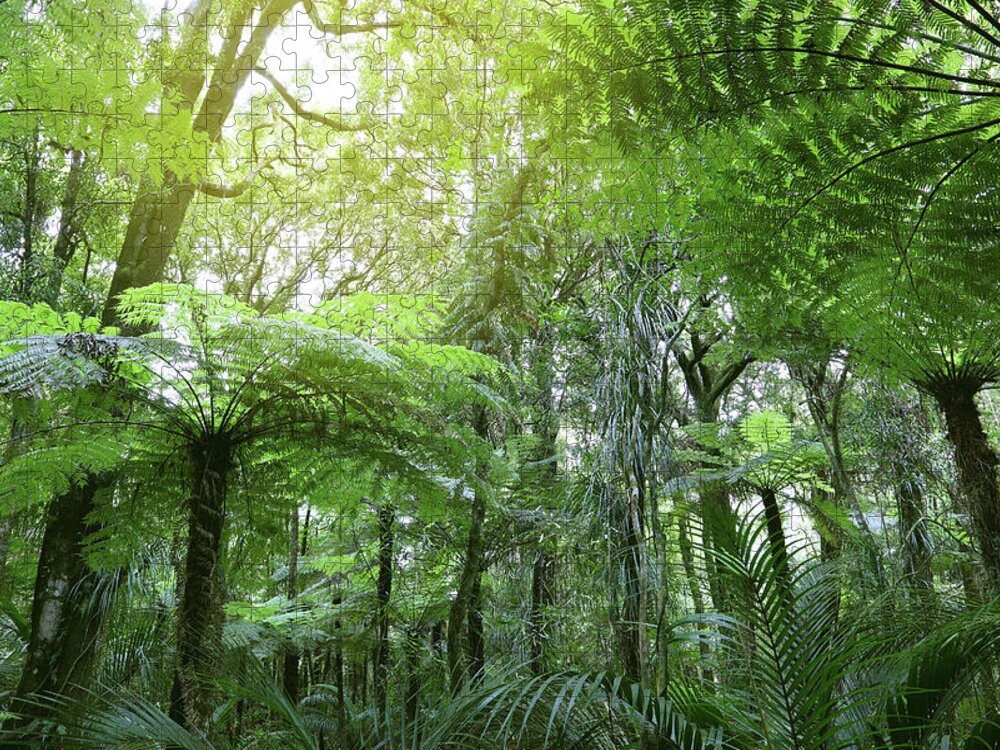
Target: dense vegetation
(586, 374)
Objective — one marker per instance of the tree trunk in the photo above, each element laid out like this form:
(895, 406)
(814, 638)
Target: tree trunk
(200, 613)
(458, 614)
(70, 219)
(159, 210)
(290, 657)
(976, 462)
(830, 539)
(474, 641)
(66, 616)
(631, 623)
(471, 572)
(542, 575)
(694, 589)
(363, 678)
(30, 212)
(338, 669)
(413, 682)
(914, 536)
(21, 415)
(718, 518)
(719, 524)
(383, 594)
(6, 530)
(546, 430)
(708, 385)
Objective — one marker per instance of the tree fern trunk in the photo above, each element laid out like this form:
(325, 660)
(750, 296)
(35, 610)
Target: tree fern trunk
(976, 462)
(200, 615)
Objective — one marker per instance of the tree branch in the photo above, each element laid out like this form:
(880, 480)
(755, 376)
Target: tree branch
(728, 376)
(301, 111)
(343, 29)
(234, 191)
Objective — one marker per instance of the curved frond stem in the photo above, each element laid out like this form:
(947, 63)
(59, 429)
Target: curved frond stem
(196, 404)
(940, 183)
(883, 153)
(245, 383)
(248, 415)
(985, 14)
(921, 35)
(844, 57)
(967, 23)
(95, 422)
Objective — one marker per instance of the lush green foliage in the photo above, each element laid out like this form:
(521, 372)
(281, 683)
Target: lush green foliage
(592, 374)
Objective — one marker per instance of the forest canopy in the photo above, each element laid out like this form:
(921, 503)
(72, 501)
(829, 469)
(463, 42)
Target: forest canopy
(541, 374)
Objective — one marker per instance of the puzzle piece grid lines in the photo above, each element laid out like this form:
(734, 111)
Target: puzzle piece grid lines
(290, 155)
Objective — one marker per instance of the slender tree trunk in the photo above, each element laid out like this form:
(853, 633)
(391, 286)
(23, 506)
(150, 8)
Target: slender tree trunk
(290, 658)
(338, 669)
(6, 530)
(29, 215)
(541, 599)
(694, 589)
(414, 641)
(546, 430)
(363, 678)
(383, 595)
(200, 610)
(66, 617)
(458, 615)
(21, 415)
(475, 641)
(914, 536)
(67, 236)
(471, 571)
(436, 637)
(663, 586)
(631, 624)
(976, 462)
